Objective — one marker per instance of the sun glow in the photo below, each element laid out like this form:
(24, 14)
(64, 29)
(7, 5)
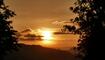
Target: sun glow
(47, 35)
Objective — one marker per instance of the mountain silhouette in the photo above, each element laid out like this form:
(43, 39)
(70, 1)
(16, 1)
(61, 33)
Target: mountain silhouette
(36, 52)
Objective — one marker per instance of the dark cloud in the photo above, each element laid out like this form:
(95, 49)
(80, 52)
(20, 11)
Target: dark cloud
(31, 37)
(27, 35)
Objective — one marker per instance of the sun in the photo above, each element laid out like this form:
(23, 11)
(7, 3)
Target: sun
(47, 35)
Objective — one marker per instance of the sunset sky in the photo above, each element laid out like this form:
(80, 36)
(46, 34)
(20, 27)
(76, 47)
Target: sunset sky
(41, 14)
(37, 14)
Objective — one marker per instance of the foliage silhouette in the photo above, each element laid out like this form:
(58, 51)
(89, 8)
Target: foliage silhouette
(8, 38)
(68, 28)
(91, 23)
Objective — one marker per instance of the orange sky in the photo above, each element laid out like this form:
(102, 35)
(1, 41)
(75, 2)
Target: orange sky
(36, 14)
(39, 13)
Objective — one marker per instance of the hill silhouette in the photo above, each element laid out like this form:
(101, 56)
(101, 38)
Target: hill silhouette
(36, 52)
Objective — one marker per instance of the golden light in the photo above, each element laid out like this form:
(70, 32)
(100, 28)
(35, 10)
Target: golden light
(47, 35)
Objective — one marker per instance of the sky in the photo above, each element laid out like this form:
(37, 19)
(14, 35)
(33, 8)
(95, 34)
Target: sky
(40, 14)
(37, 14)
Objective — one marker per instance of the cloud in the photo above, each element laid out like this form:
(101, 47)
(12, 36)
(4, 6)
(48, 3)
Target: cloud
(65, 23)
(62, 23)
(26, 30)
(28, 35)
(58, 22)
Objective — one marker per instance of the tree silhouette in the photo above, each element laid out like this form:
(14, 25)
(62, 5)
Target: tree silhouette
(8, 38)
(91, 19)
(68, 28)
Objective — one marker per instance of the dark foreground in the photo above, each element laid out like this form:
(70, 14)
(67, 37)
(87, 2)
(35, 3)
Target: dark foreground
(36, 52)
